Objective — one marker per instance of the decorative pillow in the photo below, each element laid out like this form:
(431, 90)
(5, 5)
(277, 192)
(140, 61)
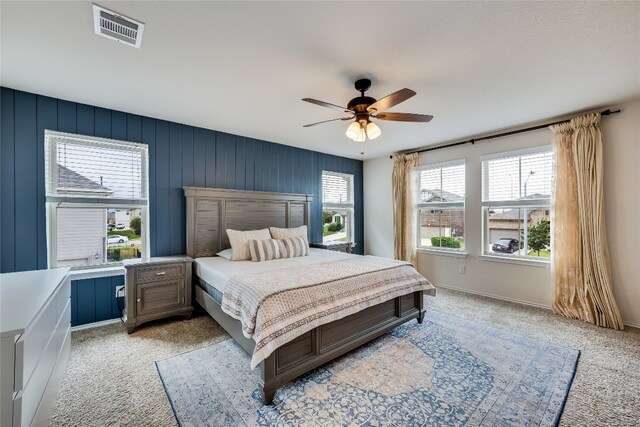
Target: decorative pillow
(226, 254)
(294, 246)
(266, 250)
(240, 242)
(285, 233)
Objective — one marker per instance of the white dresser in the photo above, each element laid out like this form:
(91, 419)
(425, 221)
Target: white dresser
(35, 322)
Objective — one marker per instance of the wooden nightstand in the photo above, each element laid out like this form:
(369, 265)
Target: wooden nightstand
(156, 288)
(335, 246)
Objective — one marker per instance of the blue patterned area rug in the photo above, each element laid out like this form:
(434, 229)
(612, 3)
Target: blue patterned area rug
(445, 372)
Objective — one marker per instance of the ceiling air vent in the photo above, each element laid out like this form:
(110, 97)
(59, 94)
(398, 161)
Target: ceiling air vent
(110, 24)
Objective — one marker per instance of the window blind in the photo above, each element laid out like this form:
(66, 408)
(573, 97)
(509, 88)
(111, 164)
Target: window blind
(518, 178)
(95, 169)
(337, 189)
(442, 184)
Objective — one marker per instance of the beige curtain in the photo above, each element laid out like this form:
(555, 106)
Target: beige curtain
(403, 206)
(580, 267)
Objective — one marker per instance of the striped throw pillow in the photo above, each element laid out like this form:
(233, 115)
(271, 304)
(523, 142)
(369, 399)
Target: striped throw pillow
(266, 250)
(294, 246)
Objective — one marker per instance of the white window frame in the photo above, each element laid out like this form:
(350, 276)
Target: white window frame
(349, 207)
(53, 202)
(511, 204)
(434, 205)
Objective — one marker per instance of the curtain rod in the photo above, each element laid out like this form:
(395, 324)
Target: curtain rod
(606, 112)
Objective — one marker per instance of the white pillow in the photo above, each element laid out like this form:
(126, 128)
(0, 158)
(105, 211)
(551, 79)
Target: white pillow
(287, 233)
(226, 254)
(240, 242)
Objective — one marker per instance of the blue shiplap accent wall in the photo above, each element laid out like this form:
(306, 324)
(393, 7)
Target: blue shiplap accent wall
(93, 300)
(179, 155)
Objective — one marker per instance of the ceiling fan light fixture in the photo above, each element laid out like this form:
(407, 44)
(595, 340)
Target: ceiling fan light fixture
(373, 131)
(354, 131)
(362, 135)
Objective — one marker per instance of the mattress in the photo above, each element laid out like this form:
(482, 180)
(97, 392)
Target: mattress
(217, 271)
(211, 290)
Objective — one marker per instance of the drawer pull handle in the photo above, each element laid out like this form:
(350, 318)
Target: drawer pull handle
(161, 273)
(139, 299)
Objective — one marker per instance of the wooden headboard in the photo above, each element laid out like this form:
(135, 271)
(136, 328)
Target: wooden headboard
(211, 211)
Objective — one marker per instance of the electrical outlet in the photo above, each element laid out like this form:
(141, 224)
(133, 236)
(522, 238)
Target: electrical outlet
(462, 268)
(119, 291)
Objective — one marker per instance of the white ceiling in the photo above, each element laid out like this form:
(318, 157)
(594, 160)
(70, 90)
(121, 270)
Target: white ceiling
(242, 67)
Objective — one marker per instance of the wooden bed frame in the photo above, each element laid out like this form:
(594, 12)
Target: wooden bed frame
(210, 211)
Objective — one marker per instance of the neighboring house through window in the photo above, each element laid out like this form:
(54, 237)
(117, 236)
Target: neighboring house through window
(337, 207)
(441, 191)
(516, 194)
(96, 200)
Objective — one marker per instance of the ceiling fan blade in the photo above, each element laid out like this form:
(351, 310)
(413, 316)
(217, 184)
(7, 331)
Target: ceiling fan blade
(403, 117)
(390, 100)
(326, 121)
(325, 104)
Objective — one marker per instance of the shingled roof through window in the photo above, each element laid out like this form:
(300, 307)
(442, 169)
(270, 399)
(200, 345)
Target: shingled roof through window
(437, 195)
(69, 180)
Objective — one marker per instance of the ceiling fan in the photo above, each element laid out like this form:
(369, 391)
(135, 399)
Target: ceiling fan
(364, 108)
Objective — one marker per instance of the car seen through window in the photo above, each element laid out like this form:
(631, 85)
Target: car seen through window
(506, 245)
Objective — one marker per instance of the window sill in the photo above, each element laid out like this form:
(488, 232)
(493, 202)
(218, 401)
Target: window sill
(521, 261)
(94, 273)
(455, 254)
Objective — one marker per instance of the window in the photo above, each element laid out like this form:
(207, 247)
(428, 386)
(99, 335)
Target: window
(516, 194)
(96, 200)
(441, 206)
(337, 207)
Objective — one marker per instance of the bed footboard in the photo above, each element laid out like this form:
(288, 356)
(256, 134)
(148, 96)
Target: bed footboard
(323, 343)
(327, 342)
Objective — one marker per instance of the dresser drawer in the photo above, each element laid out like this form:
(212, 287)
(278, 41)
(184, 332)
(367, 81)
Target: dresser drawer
(30, 396)
(159, 296)
(32, 344)
(159, 272)
(63, 297)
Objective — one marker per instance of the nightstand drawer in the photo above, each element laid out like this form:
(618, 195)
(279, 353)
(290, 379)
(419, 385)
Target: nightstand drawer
(159, 296)
(159, 272)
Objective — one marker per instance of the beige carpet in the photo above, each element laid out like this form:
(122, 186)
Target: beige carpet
(112, 380)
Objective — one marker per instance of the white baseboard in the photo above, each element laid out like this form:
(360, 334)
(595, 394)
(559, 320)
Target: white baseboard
(503, 298)
(95, 324)
(499, 297)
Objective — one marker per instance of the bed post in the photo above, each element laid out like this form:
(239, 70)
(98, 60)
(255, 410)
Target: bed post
(420, 306)
(268, 367)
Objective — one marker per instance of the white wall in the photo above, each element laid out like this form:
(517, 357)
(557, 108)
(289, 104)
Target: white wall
(378, 207)
(524, 283)
(622, 197)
